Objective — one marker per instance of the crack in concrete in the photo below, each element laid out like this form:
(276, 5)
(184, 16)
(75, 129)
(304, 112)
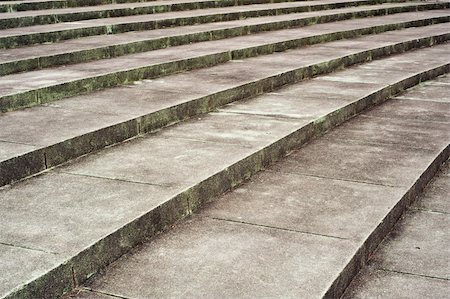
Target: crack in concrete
(103, 293)
(415, 119)
(429, 210)
(334, 179)
(378, 143)
(274, 116)
(277, 228)
(28, 248)
(17, 142)
(414, 274)
(114, 179)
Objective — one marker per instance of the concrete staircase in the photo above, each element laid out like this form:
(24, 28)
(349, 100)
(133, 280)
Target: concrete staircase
(120, 119)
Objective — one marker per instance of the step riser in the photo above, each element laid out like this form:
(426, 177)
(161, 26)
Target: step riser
(362, 256)
(143, 46)
(34, 162)
(158, 8)
(37, 38)
(98, 256)
(73, 17)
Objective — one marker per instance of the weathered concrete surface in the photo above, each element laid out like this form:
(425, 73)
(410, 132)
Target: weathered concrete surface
(163, 191)
(237, 246)
(88, 123)
(41, 86)
(413, 261)
(107, 46)
(49, 33)
(22, 18)
(211, 258)
(386, 284)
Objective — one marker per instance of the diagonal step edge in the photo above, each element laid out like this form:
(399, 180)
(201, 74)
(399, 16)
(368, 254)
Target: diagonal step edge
(39, 160)
(89, 84)
(86, 263)
(361, 257)
(15, 41)
(27, 6)
(52, 17)
(117, 50)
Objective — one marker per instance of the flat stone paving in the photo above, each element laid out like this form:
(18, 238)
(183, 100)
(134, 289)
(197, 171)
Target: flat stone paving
(291, 230)
(414, 260)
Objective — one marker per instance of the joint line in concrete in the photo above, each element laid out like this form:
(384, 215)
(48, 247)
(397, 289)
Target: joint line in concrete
(28, 248)
(335, 179)
(414, 274)
(277, 228)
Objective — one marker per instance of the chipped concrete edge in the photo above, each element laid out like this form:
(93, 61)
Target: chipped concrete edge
(85, 264)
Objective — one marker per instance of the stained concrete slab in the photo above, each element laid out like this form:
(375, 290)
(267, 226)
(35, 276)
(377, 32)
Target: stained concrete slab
(419, 245)
(386, 284)
(404, 132)
(22, 264)
(58, 124)
(437, 195)
(251, 131)
(307, 204)
(221, 259)
(418, 110)
(190, 161)
(81, 210)
(305, 100)
(437, 94)
(385, 164)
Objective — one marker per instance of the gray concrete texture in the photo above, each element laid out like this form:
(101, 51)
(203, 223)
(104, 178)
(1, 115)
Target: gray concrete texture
(79, 120)
(191, 137)
(107, 46)
(244, 243)
(92, 186)
(413, 261)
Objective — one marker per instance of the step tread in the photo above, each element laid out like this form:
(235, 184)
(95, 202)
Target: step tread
(84, 200)
(290, 230)
(27, 130)
(104, 7)
(97, 42)
(60, 27)
(410, 263)
(39, 79)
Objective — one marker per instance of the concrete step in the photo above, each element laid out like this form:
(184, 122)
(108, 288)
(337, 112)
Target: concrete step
(47, 85)
(17, 37)
(413, 261)
(24, 5)
(109, 202)
(108, 46)
(302, 228)
(33, 140)
(51, 16)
